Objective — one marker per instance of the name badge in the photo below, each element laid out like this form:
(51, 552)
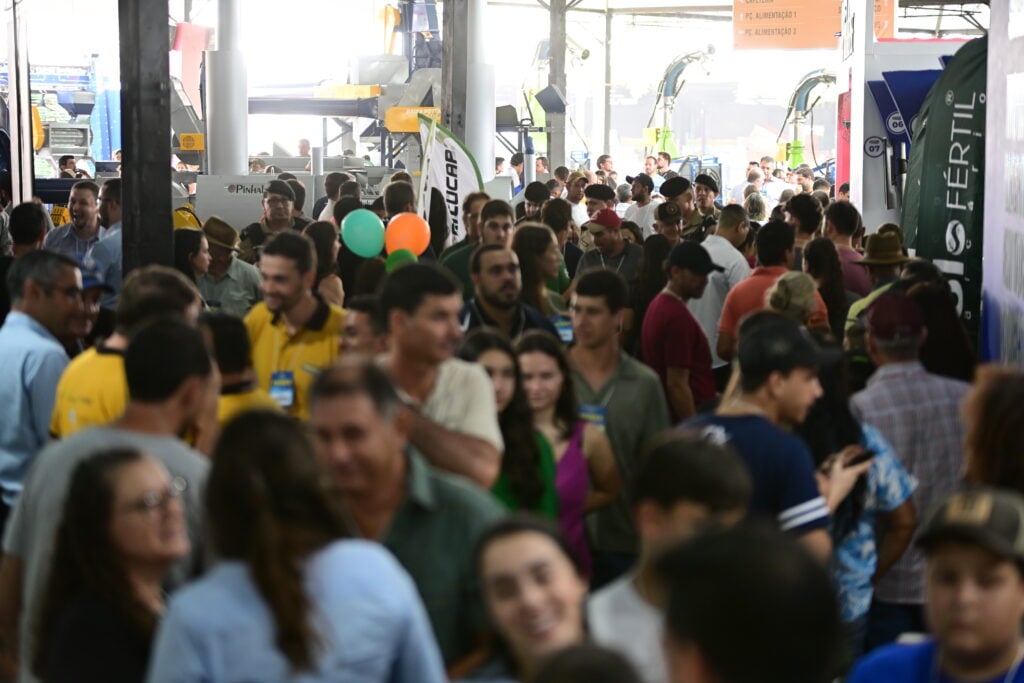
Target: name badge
(282, 389)
(564, 327)
(595, 414)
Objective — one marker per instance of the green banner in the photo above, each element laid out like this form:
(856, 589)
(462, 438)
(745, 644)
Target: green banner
(943, 215)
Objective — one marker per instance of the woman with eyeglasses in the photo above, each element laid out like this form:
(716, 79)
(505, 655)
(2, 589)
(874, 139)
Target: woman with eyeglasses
(122, 528)
(292, 598)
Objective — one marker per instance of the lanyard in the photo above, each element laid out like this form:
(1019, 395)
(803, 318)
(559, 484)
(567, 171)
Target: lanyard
(622, 258)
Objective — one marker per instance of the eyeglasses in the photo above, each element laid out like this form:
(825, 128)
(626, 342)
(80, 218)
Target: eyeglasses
(276, 200)
(154, 500)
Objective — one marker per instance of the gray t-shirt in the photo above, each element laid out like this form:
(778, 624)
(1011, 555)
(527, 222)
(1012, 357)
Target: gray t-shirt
(32, 526)
(626, 264)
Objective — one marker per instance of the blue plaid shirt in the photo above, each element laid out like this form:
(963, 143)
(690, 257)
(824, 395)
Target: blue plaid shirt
(919, 414)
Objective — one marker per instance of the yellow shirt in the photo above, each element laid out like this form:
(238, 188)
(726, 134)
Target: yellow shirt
(93, 391)
(232, 403)
(303, 355)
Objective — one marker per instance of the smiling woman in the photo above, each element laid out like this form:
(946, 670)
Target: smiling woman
(534, 591)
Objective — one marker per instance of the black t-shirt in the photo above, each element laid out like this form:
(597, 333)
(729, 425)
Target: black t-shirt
(93, 643)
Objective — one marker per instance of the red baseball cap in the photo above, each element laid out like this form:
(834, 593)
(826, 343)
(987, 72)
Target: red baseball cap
(602, 220)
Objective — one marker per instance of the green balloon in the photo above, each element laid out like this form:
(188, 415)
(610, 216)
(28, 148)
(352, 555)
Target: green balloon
(399, 258)
(362, 231)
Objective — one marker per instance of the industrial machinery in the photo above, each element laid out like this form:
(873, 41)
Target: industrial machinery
(661, 138)
(801, 109)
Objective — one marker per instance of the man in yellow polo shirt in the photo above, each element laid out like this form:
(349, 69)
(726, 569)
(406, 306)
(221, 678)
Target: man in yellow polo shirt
(92, 390)
(294, 333)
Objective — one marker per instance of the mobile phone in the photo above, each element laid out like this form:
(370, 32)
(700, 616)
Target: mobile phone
(863, 457)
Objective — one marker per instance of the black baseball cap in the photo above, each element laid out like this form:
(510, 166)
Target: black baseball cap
(674, 187)
(770, 342)
(643, 178)
(989, 517)
(692, 256)
(600, 192)
(668, 212)
(280, 187)
(707, 181)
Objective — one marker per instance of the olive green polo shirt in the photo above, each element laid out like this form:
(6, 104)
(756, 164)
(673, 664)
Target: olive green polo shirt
(697, 219)
(433, 535)
(457, 261)
(635, 410)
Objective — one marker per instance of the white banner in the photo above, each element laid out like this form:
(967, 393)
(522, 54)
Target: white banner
(449, 167)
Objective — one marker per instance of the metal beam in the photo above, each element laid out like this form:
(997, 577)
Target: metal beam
(556, 77)
(146, 131)
(453, 68)
(607, 132)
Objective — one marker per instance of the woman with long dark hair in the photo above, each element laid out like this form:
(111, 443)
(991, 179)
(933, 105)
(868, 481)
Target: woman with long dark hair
(586, 474)
(539, 261)
(652, 281)
(122, 528)
(290, 599)
(527, 479)
(508, 556)
(324, 236)
(191, 253)
(838, 440)
(821, 262)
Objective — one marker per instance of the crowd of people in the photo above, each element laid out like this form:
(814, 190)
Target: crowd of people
(606, 436)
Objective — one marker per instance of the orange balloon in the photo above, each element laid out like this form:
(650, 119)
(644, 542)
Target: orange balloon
(407, 231)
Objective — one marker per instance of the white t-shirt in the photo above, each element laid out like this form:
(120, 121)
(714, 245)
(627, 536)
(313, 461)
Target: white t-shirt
(737, 193)
(643, 216)
(708, 308)
(620, 619)
(580, 215)
(462, 401)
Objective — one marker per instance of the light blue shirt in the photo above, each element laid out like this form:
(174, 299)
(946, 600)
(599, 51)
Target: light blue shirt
(63, 240)
(889, 485)
(33, 361)
(367, 614)
(236, 292)
(105, 256)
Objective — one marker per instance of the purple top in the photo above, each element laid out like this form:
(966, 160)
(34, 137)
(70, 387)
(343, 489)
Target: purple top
(855, 277)
(572, 481)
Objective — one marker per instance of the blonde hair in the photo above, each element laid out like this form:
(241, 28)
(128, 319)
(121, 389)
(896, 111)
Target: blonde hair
(792, 295)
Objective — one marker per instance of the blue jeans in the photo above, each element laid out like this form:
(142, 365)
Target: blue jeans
(888, 620)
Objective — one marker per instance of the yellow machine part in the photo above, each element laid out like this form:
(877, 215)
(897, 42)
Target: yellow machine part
(346, 91)
(406, 119)
(38, 135)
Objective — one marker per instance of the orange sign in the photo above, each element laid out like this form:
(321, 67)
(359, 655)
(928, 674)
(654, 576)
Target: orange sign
(885, 19)
(786, 24)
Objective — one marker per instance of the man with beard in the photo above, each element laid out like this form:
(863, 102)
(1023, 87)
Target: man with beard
(105, 256)
(294, 333)
(278, 203)
(76, 238)
(643, 208)
(498, 287)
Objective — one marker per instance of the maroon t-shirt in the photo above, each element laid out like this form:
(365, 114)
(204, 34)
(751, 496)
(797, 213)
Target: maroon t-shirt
(672, 338)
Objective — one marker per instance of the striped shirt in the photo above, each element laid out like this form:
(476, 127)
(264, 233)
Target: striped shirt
(919, 414)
